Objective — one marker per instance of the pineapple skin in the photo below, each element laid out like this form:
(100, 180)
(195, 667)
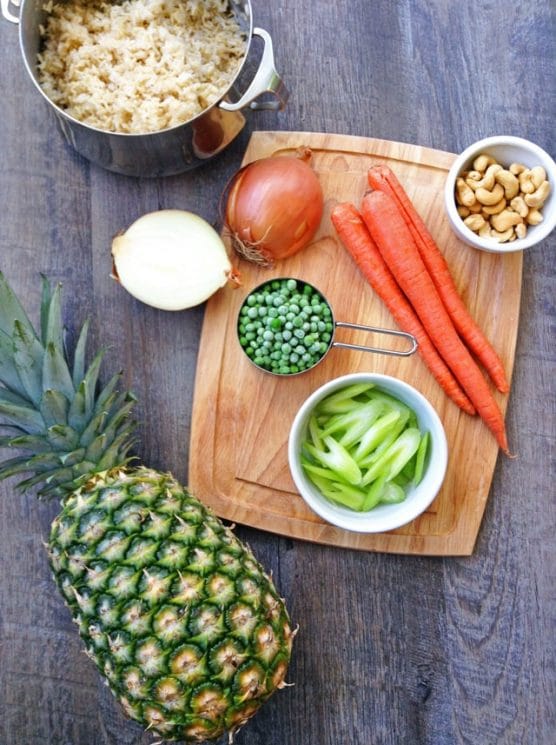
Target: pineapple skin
(174, 610)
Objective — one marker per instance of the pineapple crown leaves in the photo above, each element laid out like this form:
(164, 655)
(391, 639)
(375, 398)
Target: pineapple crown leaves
(50, 407)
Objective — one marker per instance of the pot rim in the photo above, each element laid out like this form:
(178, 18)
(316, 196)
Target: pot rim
(131, 135)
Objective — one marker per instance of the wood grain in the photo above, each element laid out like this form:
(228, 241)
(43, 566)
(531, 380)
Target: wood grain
(392, 650)
(234, 402)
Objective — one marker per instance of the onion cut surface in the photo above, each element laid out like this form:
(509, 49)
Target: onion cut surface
(171, 259)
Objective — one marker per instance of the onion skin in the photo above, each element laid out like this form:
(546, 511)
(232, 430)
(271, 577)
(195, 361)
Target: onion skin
(274, 207)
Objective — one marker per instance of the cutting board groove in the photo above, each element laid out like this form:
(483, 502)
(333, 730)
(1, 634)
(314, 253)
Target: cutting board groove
(241, 416)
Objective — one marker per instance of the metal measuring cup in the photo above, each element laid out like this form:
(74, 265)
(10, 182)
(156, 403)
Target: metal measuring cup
(335, 324)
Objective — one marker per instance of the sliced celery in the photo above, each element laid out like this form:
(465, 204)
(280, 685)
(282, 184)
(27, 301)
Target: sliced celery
(392, 493)
(337, 458)
(420, 458)
(363, 447)
(375, 435)
(341, 401)
(395, 457)
(374, 494)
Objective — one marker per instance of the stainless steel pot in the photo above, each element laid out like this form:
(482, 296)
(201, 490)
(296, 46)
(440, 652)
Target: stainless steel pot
(172, 150)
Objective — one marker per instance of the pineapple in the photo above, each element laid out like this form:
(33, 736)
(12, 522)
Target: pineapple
(176, 613)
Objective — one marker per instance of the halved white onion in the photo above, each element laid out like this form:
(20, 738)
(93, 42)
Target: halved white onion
(171, 259)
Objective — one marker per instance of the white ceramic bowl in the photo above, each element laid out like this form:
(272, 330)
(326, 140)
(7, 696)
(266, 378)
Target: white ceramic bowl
(505, 150)
(385, 516)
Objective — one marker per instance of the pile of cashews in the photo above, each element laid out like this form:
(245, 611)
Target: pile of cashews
(500, 203)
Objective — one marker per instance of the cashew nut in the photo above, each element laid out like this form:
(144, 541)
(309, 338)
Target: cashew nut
(521, 230)
(489, 197)
(500, 203)
(474, 222)
(504, 220)
(517, 168)
(538, 197)
(464, 194)
(472, 176)
(519, 206)
(537, 175)
(534, 217)
(483, 161)
(475, 207)
(487, 182)
(509, 182)
(502, 237)
(525, 182)
(495, 208)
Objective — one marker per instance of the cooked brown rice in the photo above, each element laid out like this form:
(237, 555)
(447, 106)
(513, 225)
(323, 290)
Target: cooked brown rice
(138, 66)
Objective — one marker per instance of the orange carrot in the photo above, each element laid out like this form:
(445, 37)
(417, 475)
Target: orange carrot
(357, 240)
(382, 178)
(395, 242)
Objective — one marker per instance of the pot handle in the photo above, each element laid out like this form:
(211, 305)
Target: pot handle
(382, 350)
(7, 13)
(266, 80)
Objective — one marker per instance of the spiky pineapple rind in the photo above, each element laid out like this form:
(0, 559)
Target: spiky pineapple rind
(125, 550)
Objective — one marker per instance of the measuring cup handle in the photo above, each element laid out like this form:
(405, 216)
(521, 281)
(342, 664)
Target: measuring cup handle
(7, 13)
(266, 80)
(377, 330)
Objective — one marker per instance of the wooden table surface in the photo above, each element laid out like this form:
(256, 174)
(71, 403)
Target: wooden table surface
(392, 650)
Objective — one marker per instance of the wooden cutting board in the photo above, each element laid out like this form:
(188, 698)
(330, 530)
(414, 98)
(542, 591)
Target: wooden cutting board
(242, 416)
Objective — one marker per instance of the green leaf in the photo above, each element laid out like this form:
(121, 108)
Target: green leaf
(90, 380)
(54, 407)
(107, 392)
(62, 437)
(77, 415)
(11, 310)
(27, 419)
(34, 443)
(45, 302)
(13, 466)
(117, 451)
(10, 397)
(21, 464)
(56, 374)
(53, 329)
(28, 358)
(73, 458)
(8, 370)
(78, 372)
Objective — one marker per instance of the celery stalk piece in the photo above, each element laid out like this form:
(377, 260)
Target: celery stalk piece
(320, 471)
(339, 493)
(315, 432)
(359, 412)
(375, 434)
(374, 494)
(367, 415)
(349, 496)
(390, 435)
(420, 458)
(392, 493)
(391, 402)
(353, 424)
(341, 401)
(337, 458)
(395, 457)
